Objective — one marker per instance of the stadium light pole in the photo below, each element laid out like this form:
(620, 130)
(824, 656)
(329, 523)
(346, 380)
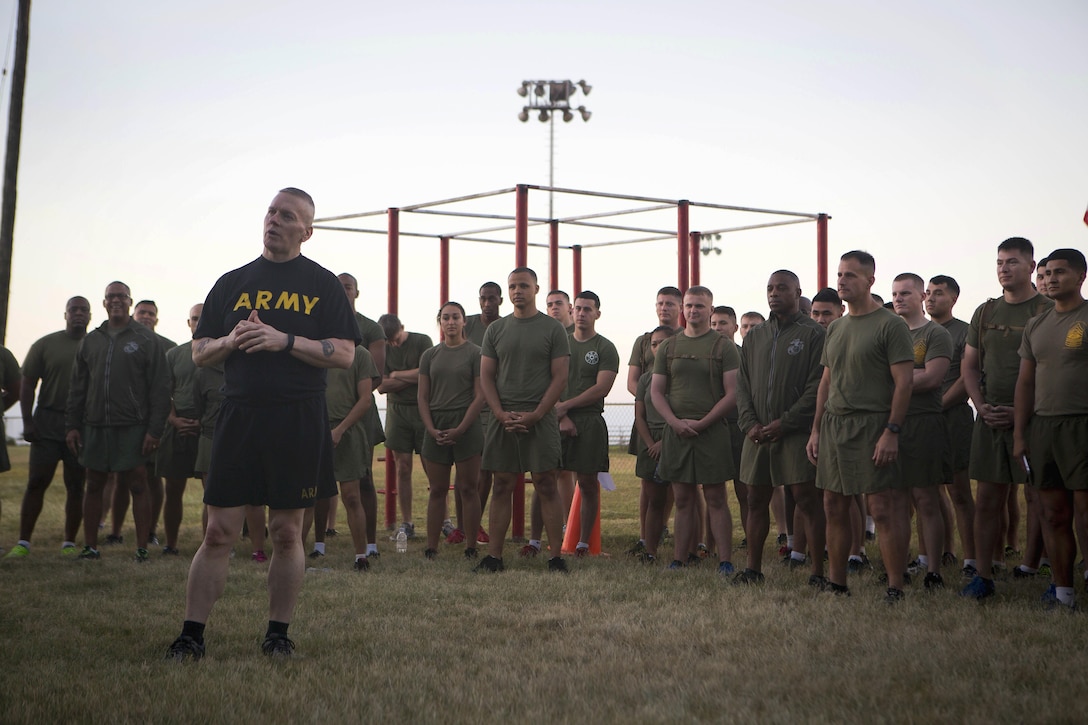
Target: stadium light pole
(546, 99)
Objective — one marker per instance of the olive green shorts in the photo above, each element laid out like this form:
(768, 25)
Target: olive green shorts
(350, 457)
(403, 429)
(645, 465)
(845, 461)
(991, 455)
(471, 444)
(537, 451)
(706, 458)
(922, 446)
(736, 444)
(1059, 451)
(372, 424)
(586, 452)
(176, 457)
(960, 420)
(113, 448)
(203, 455)
(779, 463)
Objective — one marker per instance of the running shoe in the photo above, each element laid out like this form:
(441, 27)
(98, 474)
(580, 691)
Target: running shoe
(933, 581)
(90, 552)
(259, 556)
(142, 557)
(409, 530)
(112, 540)
(978, 589)
(781, 540)
(949, 559)
(674, 565)
(457, 536)
(726, 568)
(315, 554)
(818, 582)
(702, 551)
(1011, 551)
(528, 551)
(277, 646)
(558, 564)
(915, 567)
(1020, 573)
(637, 548)
(581, 552)
(183, 648)
(893, 596)
(647, 558)
(69, 550)
(153, 540)
(362, 564)
(430, 554)
(331, 532)
(796, 563)
(18, 552)
(969, 571)
(170, 551)
(748, 577)
(447, 527)
(482, 537)
(856, 566)
(489, 565)
(1049, 600)
(470, 553)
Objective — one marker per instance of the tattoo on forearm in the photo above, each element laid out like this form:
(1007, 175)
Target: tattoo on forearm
(327, 348)
(203, 344)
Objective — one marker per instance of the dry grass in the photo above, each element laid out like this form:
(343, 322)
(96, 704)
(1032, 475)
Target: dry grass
(422, 641)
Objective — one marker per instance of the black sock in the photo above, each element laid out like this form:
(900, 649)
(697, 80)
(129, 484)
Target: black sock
(279, 628)
(193, 629)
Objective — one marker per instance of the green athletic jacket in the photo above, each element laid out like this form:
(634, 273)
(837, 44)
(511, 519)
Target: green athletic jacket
(779, 373)
(119, 381)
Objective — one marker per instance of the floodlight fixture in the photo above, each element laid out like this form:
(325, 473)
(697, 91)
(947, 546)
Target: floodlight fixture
(539, 89)
(585, 114)
(567, 116)
(586, 88)
(524, 115)
(543, 116)
(524, 90)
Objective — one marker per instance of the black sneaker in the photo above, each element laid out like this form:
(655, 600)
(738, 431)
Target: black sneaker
(170, 551)
(856, 566)
(185, 647)
(153, 540)
(796, 563)
(893, 596)
(489, 565)
(470, 553)
(969, 571)
(949, 559)
(933, 581)
(817, 582)
(748, 576)
(362, 564)
(373, 554)
(647, 558)
(839, 590)
(89, 553)
(558, 564)
(637, 548)
(315, 554)
(331, 532)
(1019, 573)
(743, 545)
(430, 554)
(693, 559)
(781, 540)
(675, 564)
(278, 645)
(111, 540)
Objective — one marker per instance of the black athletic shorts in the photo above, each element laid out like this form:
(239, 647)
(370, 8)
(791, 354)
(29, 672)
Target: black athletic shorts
(277, 455)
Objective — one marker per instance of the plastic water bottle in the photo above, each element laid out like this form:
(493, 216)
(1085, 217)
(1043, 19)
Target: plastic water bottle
(402, 542)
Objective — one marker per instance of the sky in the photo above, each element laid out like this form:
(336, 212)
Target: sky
(154, 136)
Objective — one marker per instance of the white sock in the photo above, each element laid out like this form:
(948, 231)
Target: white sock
(1065, 595)
(870, 525)
(319, 546)
(1027, 569)
(1044, 562)
(65, 544)
(371, 548)
(360, 556)
(23, 542)
(971, 562)
(535, 543)
(923, 560)
(797, 556)
(582, 545)
(855, 557)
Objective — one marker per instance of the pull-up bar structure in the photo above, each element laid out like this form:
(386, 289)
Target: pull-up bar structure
(513, 230)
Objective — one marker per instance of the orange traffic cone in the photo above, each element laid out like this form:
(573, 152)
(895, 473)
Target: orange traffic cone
(574, 528)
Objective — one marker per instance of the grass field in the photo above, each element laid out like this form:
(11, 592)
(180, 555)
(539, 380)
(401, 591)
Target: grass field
(417, 641)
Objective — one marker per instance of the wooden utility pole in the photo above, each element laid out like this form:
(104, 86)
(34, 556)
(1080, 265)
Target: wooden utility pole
(11, 160)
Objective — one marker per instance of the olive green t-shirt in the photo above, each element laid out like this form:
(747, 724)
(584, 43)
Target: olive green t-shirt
(587, 359)
(207, 396)
(642, 355)
(342, 387)
(957, 328)
(1058, 344)
(369, 330)
(452, 373)
(181, 370)
(50, 360)
(406, 356)
(931, 341)
(860, 351)
(475, 329)
(653, 418)
(694, 379)
(997, 338)
(523, 349)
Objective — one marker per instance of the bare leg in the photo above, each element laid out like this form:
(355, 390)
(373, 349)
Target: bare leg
(438, 480)
(809, 501)
(928, 505)
(465, 481)
(173, 507)
(964, 504)
(1057, 517)
(135, 481)
(988, 510)
(254, 517)
(891, 513)
(355, 514)
(92, 506)
(404, 483)
(551, 508)
(655, 495)
(499, 514)
(721, 521)
(288, 563)
(686, 497)
(591, 503)
(837, 512)
(758, 524)
(208, 571)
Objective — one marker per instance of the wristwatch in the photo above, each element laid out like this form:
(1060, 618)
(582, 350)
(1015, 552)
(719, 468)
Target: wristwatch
(894, 428)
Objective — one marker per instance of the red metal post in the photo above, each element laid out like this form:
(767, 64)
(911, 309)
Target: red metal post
(693, 247)
(576, 262)
(821, 251)
(443, 275)
(553, 254)
(683, 273)
(521, 226)
(391, 305)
